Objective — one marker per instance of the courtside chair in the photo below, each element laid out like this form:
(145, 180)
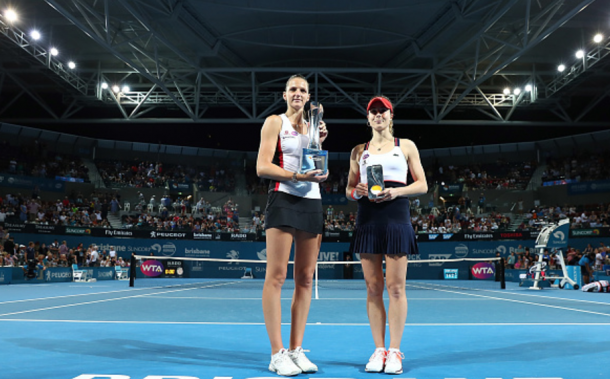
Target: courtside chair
(121, 273)
(78, 275)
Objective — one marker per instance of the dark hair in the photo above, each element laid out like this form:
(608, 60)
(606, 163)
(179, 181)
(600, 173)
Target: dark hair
(297, 76)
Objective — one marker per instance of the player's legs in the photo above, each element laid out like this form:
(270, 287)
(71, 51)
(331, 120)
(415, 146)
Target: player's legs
(307, 247)
(279, 241)
(373, 276)
(395, 276)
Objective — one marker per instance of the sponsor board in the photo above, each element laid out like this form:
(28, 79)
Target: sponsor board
(450, 273)
(203, 236)
(151, 268)
(118, 233)
(167, 249)
(461, 251)
(478, 236)
(70, 230)
(438, 257)
(585, 232)
(196, 253)
(176, 235)
(483, 270)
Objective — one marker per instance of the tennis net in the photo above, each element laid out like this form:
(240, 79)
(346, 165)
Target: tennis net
(331, 278)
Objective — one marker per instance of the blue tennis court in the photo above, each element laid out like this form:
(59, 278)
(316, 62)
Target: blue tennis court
(170, 328)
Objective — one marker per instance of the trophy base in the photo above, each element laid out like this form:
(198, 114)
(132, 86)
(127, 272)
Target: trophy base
(313, 159)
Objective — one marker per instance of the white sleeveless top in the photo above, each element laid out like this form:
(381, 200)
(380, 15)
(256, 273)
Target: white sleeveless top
(288, 156)
(394, 163)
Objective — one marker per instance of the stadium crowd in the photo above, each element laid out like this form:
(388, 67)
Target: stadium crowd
(74, 210)
(146, 174)
(499, 175)
(36, 161)
(586, 165)
(200, 217)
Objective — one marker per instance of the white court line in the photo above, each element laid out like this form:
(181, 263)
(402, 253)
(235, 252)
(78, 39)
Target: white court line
(310, 324)
(523, 302)
(289, 298)
(85, 294)
(107, 300)
(552, 297)
(505, 292)
(79, 294)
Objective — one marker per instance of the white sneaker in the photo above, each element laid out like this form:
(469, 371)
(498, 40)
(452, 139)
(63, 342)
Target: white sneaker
(393, 364)
(377, 360)
(283, 365)
(298, 357)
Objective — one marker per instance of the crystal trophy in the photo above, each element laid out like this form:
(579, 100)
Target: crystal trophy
(374, 178)
(313, 158)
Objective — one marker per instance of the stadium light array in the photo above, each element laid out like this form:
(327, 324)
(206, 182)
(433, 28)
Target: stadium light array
(598, 38)
(11, 15)
(579, 54)
(561, 67)
(35, 35)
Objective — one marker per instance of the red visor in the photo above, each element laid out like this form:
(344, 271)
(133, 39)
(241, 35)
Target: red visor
(385, 102)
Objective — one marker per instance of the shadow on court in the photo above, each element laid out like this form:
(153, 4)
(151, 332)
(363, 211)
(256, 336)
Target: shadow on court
(147, 351)
(522, 352)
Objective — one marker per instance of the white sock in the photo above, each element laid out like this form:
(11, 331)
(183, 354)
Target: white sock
(279, 352)
(393, 350)
(380, 349)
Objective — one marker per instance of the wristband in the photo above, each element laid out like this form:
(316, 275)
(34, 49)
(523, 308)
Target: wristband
(355, 196)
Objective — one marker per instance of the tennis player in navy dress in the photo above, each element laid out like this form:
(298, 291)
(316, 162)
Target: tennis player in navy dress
(383, 228)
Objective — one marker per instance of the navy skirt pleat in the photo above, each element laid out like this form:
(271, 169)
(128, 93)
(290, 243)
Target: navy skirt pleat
(384, 228)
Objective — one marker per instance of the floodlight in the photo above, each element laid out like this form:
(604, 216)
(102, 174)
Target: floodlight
(71, 65)
(517, 91)
(104, 85)
(54, 52)
(35, 35)
(125, 89)
(561, 68)
(579, 54)
(11, 15)
(528, 88)
(116, 89)
(598, 38)
(506, 91)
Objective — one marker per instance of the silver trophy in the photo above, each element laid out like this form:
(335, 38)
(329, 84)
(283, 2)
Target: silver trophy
(313, 157)
(374, 178)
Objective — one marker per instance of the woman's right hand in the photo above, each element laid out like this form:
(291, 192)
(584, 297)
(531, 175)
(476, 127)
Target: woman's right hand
(313, 176)
(362, 189)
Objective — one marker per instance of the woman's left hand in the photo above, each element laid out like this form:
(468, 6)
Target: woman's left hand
(323, 131)
(387, 194)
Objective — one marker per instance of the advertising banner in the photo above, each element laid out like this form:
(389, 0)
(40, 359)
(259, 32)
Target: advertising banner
(29, 182)
(585, 188)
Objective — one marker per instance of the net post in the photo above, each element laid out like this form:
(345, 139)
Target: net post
(502, 277)
(315, 281)
(132, 270)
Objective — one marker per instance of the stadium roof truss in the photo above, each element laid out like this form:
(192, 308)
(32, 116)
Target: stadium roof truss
(182, 65)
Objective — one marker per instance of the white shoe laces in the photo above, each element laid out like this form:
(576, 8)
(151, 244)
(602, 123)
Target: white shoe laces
(378, 354)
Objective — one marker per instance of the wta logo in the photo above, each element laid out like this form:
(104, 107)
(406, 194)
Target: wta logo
(151, 268)
(483, 270)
